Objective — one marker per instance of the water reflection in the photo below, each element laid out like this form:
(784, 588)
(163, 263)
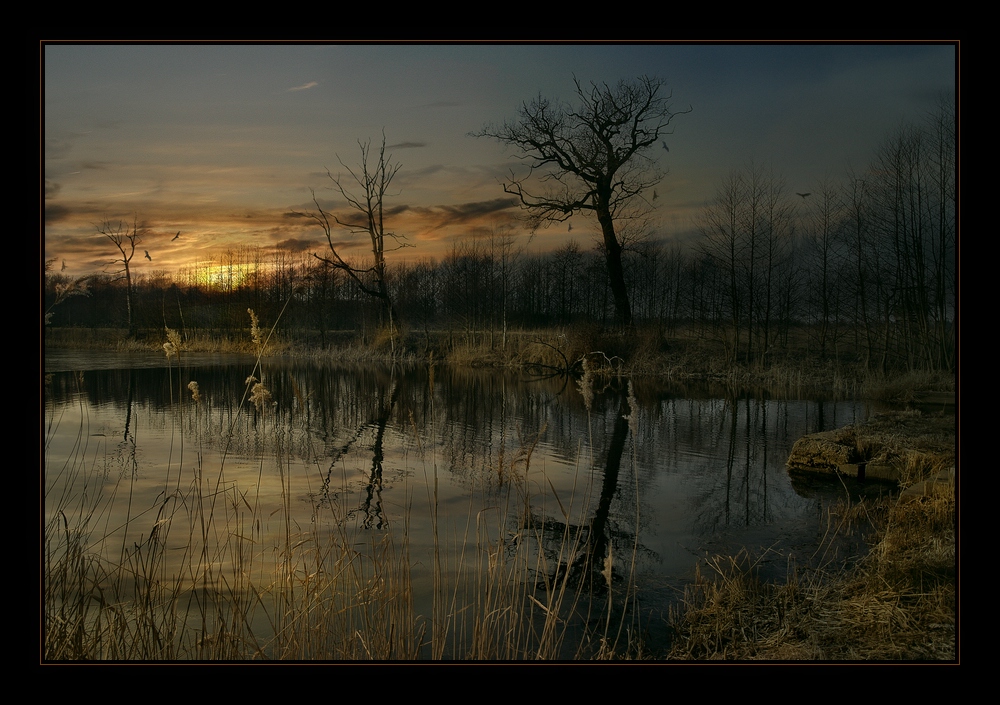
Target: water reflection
(664, 473)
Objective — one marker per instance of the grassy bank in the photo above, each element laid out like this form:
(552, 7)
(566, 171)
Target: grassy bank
(641, 352)
(896, 602)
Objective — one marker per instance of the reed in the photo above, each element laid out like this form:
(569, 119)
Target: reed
(196, 575)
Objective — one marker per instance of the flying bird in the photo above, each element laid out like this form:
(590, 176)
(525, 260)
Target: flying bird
(147, 255)
(665, 146)
(176, 236)
(655, 194)
(803, 195)
(570, 228)
(63, 267)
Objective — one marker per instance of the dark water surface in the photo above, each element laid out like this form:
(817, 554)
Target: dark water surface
(666, 473)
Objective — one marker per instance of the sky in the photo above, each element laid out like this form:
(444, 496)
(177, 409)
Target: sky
(221, 142)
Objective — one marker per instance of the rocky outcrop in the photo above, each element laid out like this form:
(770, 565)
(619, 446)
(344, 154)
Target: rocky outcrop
(828, 451)
(879, 449)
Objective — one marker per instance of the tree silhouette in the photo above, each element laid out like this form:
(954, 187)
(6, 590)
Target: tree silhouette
(125, 238)
(372, 177)
(592, 157)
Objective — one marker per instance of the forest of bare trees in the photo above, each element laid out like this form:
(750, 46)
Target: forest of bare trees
(860, 269)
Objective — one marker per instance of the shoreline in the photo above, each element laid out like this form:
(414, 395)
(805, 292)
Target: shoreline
(558, 351)
(897, 603)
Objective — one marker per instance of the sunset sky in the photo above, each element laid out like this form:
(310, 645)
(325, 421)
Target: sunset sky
(221, 142)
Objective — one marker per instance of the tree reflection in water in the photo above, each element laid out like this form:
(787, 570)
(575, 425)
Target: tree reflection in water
(705, 470)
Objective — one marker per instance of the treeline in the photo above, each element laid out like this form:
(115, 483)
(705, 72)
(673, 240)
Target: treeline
(862, 268)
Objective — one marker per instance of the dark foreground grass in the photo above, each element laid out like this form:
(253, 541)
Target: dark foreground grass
(898, 602)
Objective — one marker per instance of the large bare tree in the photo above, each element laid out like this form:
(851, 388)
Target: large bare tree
(365, 188)
(126, 238)
(592, 157)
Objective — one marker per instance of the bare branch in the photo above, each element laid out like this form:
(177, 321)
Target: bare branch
(126, 238)
(364, 188)
(592, 157)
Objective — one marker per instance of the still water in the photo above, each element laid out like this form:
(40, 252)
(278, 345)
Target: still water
(665, 473)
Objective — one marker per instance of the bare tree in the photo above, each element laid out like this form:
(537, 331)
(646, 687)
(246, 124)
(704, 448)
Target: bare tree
(126, 238)
(592, 157)
(825, 223)
(745, 232)
(365, 190)
(723, 244)
(504, 256)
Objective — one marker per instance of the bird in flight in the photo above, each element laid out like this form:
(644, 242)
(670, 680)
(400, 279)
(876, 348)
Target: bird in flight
(63, 267)
(655, 194)
(147, 255)
(176, 236)
(803, 195)
(665, 146)
(570, 228)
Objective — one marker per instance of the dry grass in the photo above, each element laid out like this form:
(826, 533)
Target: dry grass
(330, 591)
(897, 603)
(645, 351)
(147, 341)
(918, 445)
(345, 596)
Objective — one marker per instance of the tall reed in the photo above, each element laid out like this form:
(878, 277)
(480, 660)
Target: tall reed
(201, 573)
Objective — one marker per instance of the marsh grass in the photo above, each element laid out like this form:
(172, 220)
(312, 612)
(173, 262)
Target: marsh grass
(897, 602)
(680, 357)
(198, 575)
(919, 445)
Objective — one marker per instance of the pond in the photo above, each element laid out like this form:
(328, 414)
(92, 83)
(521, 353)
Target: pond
(235, 503)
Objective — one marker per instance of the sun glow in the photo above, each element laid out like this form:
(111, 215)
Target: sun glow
(220, 277)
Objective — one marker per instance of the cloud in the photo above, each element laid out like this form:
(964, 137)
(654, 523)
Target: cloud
(304, 86)
(407, 145)
(419, 174)
(342, 246)
(54, 213)
(477, 209)
(294, 244)
(439, 217)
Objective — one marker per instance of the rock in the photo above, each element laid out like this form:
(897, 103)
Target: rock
(826, 451)
(880, 448)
